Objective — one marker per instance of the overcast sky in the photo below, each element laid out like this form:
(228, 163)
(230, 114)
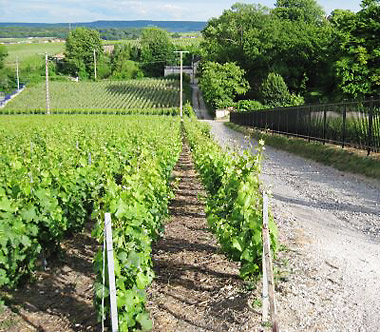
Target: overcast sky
(54, 11)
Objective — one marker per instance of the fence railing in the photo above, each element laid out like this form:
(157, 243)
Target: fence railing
(355, 124)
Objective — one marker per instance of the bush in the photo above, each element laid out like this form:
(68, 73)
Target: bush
(249, 105)
(296, 100)
(129, 70)
(274, 91)
(221, 83)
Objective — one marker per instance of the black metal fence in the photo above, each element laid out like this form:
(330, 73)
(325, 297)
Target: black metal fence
(355, 124)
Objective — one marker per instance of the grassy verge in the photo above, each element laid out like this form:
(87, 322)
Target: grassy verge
(349, 160)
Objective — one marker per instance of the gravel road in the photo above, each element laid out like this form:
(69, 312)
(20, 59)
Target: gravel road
(198, 103)
(329, 222)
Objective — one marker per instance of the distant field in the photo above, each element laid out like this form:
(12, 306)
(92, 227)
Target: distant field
(30, 53)
(176, 41)
(26, 40)
(148, 94)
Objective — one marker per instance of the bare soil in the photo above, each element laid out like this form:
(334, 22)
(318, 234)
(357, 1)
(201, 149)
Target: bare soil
(196, 287)
(61, 298)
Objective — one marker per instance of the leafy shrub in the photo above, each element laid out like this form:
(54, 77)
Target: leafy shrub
(274, 91)
(221, 83)
(249, 105)
(234, 202)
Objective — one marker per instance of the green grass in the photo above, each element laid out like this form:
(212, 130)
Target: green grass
(102, 95)
(30, 54)
(348, 160)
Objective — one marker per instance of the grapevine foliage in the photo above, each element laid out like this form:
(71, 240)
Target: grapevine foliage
(234, 202)
(57, 171)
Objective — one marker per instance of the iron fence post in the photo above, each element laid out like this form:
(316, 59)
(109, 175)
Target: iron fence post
(344, 122)
(324, 124)
(370, 123)
(309, 124)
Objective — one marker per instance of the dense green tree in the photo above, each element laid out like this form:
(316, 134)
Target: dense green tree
(157, 50)
(221, 83)
(80, 46)
(357, 58)
(3, 55)
(274, 92)
(7, 76)
(262, 41)
(308, 11)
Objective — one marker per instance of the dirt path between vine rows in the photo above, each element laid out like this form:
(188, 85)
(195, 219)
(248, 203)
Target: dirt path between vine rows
(61, 298)
(196, 287)
(329, 222)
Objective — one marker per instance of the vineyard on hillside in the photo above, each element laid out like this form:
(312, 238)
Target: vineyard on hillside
(179, 42)
(148, 96)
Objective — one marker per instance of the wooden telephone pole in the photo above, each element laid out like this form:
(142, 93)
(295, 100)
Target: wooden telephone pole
(47, 83)
(180, 81)
(17, 75)
(95, 64)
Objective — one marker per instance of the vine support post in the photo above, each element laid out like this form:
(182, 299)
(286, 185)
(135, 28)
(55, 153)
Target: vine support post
(268, 279)
(111, 271)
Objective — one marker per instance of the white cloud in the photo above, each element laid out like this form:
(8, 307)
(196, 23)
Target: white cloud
(53, 11)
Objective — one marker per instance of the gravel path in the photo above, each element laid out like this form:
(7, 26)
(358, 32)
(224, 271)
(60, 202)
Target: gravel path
(329, 222)
(199, 104)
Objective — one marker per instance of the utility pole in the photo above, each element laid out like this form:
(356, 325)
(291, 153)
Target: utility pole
(193, 68)
(180, 81)
(69, 28)
(17, 75)
(47, 83)
(95, 64)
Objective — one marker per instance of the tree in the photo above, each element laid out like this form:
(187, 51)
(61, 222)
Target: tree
(357, 57)
(80, 46)
(308, 11)
(3, 55)
(7, 79)
(156, 50)
(274, 92)
(221, 83)
(260, 42)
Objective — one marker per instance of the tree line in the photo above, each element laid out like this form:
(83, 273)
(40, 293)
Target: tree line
(63, 32)
(154, 51)
(146, 58)
(290, 54)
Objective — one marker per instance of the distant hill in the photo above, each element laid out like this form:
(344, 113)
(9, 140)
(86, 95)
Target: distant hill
(171, 26)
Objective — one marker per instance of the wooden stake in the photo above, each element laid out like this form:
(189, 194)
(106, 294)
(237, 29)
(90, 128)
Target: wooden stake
(267, 260)
(111, 272)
